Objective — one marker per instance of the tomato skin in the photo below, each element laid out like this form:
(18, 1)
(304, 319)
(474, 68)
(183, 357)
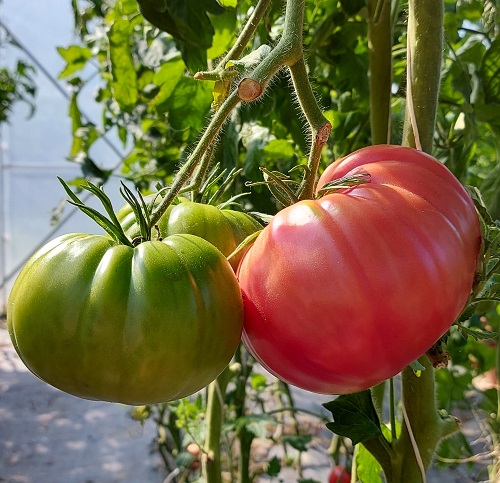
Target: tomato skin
(339, 474)
(138, 326)
(343, 292)
(225, 229)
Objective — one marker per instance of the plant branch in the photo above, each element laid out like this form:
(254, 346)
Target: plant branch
(425, 34)
(428, 426)
(211, 462)
(380, 56)
(320, 126)
(239, 46)
(192, 162)
(246, 34)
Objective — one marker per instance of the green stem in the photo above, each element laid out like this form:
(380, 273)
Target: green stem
(428, 427)
(392, 409)
(239, 46)
(289, 48)
(211, 461)
(425, 37)
(192, 162)
(380, 56)
(320, 126)
(246, 34)
(378, 395)
(245, 437)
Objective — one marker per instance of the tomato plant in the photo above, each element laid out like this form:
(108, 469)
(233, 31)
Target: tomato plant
(339, 474)
(343, 292)
(106, 320)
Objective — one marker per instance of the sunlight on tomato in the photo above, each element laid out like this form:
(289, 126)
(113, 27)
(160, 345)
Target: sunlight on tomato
(343, 292)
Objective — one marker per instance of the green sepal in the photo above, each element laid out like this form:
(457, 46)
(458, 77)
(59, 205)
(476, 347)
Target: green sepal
(112, 227)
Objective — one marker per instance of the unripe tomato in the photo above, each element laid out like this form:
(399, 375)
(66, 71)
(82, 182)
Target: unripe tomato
(225, 229)
(142, 325)
(343, 292)
(339, 474)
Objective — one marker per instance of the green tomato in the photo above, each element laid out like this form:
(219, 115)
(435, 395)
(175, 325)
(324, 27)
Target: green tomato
(105, 321)
(225, 229)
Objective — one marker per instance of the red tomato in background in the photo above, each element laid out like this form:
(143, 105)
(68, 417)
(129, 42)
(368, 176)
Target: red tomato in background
(339, 474)
(343, 292)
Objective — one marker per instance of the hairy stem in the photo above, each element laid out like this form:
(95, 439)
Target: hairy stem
(425, 35)
(320, 126)
(380, 55)
(192, 162)
(246, 34)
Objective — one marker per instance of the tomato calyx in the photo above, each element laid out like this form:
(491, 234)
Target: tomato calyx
(111, 225)
(343, 183)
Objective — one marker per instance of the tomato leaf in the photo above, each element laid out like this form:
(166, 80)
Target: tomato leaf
(124, 83)
(298, 441)
(476, 334)
(367, 467)
(490, 72)
(354, 417)
(76, 58)
(273, 467)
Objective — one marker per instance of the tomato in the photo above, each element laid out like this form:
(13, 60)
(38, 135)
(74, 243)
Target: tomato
(339, 474)
(343, 292)
(225, 229)
(106, 321)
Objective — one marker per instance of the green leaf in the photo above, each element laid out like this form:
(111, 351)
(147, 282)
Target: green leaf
(258, 381)
(76, 58)
(298, 441)
(124, 84)
(76, 123)
(490, 72)
(189, 104)
(257, 424)
(279, 149)
(229, 3)
(167, 77)
(273, 467)
(354, 417)
(224, 26)
(367, 467)
(477, 334)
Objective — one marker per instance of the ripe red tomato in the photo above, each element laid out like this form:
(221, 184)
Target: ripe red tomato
(343, 292)
(339, 474)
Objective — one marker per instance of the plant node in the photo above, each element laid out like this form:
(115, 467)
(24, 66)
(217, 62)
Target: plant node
(249, 89)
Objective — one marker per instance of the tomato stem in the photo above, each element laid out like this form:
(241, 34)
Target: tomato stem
(320, 126)
(239, 46)
(380, 55)
(211, 461)
(425, 35)
(192, 162)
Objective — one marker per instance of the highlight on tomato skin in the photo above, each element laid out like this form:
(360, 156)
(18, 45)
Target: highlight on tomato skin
(343, 292)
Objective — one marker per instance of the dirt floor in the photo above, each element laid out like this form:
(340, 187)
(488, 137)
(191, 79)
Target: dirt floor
(47, 436)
